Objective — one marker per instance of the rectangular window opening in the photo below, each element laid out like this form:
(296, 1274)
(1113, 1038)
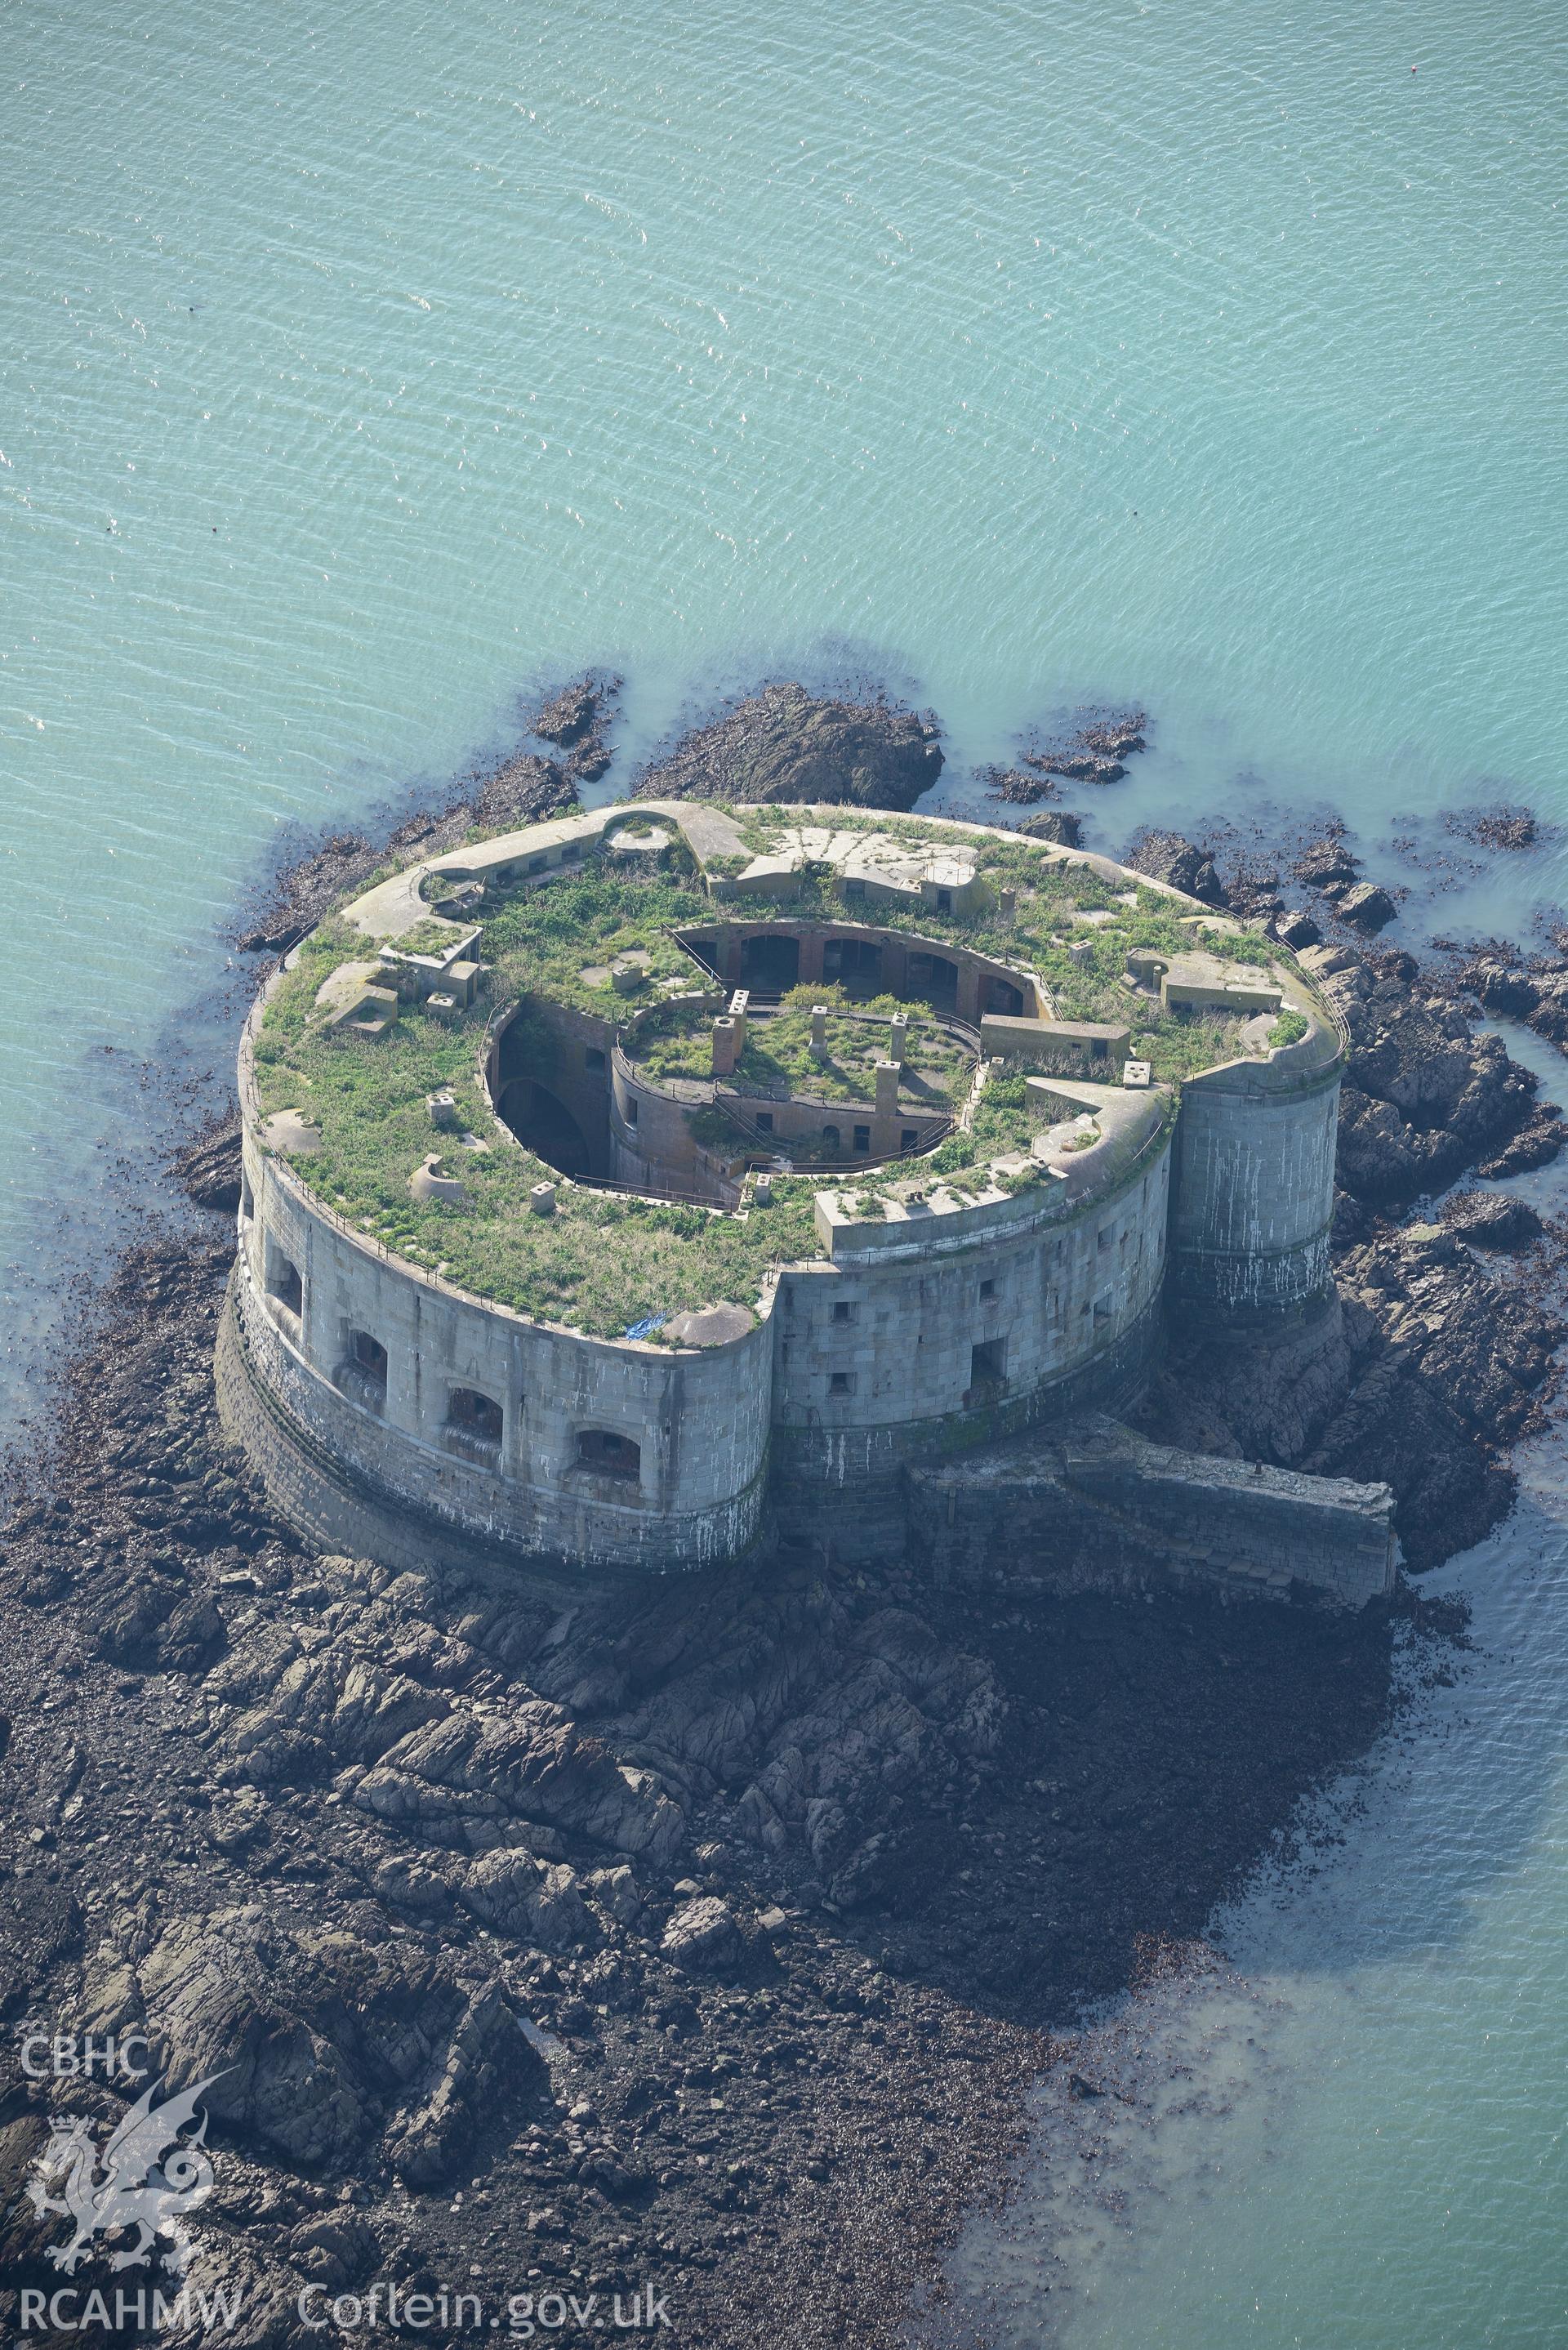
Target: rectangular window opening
(593, 1058)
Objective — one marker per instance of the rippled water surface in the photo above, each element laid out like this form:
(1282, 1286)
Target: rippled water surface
(363, 369)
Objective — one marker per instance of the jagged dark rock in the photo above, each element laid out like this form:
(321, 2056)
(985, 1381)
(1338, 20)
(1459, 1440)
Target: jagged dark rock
(1326, 865)
(574, 720)
(577, 712)
(1167, 856)
(1492, 1219)
(1060, 826)
(1424, 1098)
(208, 1168)
(1366, 906)
(785, 744)
(1023, 789)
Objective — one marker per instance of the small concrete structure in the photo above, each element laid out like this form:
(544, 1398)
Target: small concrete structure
(1076, 1047)
(727, 1039)
(428, 1182)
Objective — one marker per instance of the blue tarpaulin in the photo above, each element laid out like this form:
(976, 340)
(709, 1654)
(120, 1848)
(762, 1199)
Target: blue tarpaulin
(646, 1329)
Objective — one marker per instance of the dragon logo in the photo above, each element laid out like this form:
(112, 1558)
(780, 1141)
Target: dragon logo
(147, 2180)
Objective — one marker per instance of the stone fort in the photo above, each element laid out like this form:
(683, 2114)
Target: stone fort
(636, 1190)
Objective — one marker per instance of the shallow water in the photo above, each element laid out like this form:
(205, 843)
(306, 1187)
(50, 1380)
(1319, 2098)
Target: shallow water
(364, 370)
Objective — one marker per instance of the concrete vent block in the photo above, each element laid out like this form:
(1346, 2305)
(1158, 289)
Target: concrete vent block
(1136, 1075)
(819, 1031)
(442, 1108)
(541, 1198)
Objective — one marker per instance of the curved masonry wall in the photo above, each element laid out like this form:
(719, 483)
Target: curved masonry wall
(1252, 1195)
(699, 1419)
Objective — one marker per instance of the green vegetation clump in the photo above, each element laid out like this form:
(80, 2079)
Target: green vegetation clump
(1289, 1028)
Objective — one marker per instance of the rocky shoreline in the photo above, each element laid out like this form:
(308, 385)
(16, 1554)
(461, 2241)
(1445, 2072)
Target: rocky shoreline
(705, 1935)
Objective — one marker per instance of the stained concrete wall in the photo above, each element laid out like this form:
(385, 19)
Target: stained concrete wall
(873, 1361)
(1252, 1192)
(860, 1344)
(1096, 1507)
(700, 1417)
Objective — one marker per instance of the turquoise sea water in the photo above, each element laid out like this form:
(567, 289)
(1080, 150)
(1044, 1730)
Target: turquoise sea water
(364, 369)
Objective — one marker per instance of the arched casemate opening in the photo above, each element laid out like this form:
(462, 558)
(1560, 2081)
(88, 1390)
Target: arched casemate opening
(362, 1373)
(770, 962)
(284, 1285)
(854, 963)
(605, 1453)
(475, 1423)
(934, 978)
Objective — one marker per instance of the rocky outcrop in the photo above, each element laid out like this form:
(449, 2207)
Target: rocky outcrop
(1365, 906)
(785, 744)
(1062, 826)
(1326, 866)
(1532, 988)
(1167, 856)
(1424, 1098)
(310, 2038)
(1492, 1219)
(575, 721)
(209, 1169)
